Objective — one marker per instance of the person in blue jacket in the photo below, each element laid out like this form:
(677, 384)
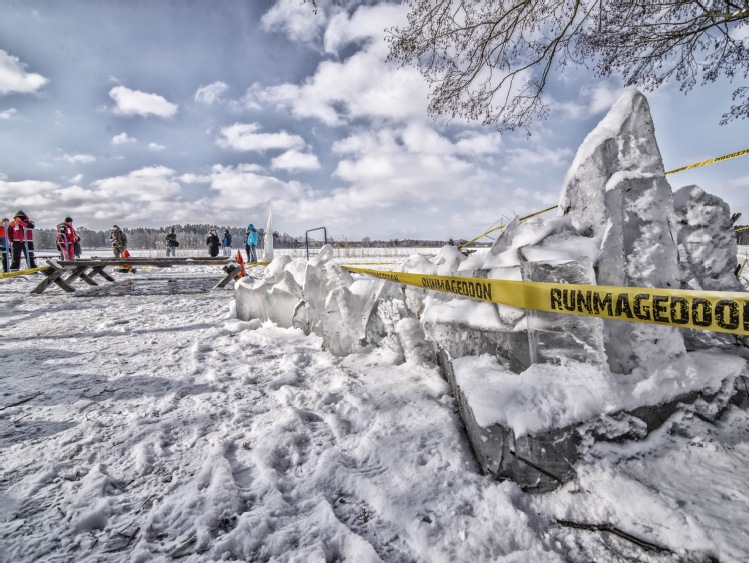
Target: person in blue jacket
(251, 244)
(226, 243)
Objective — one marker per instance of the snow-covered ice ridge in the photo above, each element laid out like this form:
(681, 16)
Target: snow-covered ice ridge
(533, 388)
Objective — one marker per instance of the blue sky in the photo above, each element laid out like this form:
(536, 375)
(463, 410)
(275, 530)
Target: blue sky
(146, 113)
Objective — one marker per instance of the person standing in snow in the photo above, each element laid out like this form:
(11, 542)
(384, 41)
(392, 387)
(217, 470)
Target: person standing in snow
(171, 243)
(118, 239)
(251, 244)
(226, 243)
(66, 237)
(5, 244)
(212, 242)
(21, 238)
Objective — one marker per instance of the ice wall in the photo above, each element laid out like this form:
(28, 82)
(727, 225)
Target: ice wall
(526, 382)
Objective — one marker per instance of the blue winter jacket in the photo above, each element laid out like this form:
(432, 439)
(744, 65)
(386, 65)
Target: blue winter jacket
(252, 235)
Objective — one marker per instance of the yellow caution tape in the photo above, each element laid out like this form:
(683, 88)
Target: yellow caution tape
(503, 226)
(704, 310)
(710, 161)
(22, 272)
(740, 229)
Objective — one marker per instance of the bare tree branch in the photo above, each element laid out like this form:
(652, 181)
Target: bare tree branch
(490, 60)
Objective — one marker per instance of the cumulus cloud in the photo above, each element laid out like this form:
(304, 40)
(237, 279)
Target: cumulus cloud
(123, 139)
(8, 113)
(363, 86)
(366, 23)
(246, 137)
(297, 20)
(195, 179)
(210, 93)
(14, 78)
(76, 158)
(134, 102)
(76, 179)
(294, 160)
(155, 147)
(405, 169)
(244, 183)
(149, 184)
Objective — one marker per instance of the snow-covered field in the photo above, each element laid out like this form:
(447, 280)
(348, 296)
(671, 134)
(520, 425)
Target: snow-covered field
(143, 422)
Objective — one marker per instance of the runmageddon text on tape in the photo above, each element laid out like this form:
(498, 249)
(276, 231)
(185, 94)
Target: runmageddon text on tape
(705, 310)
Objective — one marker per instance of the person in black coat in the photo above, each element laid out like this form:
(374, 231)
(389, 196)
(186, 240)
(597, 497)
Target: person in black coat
(171, 243)
(213, 242)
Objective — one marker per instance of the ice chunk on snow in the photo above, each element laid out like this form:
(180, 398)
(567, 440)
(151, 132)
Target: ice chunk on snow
(638, 249)
(555, 338)
(705, 233)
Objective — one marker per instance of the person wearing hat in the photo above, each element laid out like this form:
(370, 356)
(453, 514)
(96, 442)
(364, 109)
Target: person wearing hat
(212, 242)
(4, 244)
(21, 238)
(66, 237)
(118, 240)
(226, 243)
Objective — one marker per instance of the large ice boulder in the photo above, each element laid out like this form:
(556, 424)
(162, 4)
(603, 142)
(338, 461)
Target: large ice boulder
(616, 190)
(706, 240)
(623, 141)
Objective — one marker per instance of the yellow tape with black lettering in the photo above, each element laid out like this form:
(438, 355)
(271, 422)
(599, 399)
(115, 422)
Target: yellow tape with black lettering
(704, 310)
(710, 161)
(22, 272)
(740, 229)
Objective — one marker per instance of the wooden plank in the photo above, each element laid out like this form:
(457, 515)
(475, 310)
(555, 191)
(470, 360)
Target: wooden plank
(232, 271)
(100, 271)
(161, 262)
(53, 274)
(80, 272)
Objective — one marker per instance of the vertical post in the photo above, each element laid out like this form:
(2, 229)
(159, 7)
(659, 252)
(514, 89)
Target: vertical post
(306, 237)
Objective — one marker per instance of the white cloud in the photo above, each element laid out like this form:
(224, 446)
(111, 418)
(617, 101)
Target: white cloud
(246, 137)
(149, 184)
(155, 147)
(363, 86)
(134, 102)
(8, 113)
(244, 184)
(15, 79)
(367, 22)
(296, 19)
(123, 139)
(76, 179)
(76, 158)
(195, 179)
(399, 169)
(210, 93)
(293, 160)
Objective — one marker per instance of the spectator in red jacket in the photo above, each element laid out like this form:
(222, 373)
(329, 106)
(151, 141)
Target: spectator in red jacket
(66, 239)
(21, 237)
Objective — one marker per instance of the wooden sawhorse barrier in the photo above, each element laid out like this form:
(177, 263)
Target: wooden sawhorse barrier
(87, 269)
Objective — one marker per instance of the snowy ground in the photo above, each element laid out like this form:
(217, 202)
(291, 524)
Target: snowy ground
(152, 425)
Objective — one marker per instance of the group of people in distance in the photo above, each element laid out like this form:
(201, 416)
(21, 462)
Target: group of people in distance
(213, 242)
(17, 239)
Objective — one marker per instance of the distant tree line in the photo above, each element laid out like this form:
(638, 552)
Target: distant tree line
(192, 236)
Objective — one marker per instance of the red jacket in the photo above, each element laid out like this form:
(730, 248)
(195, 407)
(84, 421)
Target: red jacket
(67, 230)
(20, 230)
